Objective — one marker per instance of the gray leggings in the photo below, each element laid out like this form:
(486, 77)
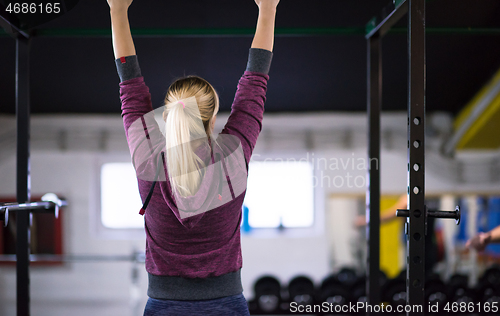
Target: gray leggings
(234, 305)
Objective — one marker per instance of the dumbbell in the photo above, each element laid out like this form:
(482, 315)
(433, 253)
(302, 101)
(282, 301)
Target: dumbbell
(435, 291)
(301, 290)
(333, 291)
(347, 276)
(358, 289)
(394, 292)
(488, 287)
(459, 291)
(267, 295)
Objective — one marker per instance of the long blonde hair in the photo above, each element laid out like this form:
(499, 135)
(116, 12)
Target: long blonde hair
(182, 126)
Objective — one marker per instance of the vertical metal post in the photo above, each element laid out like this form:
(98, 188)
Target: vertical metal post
(415, 280)
(373, 188)
(23, 175)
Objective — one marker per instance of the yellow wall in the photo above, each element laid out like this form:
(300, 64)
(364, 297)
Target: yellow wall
(484, 131)
(391, 234)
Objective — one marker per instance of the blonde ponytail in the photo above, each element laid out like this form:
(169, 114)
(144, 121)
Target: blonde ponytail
(190, 105)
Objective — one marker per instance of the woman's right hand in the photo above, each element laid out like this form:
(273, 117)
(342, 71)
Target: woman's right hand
(119, 4)
(267, 4)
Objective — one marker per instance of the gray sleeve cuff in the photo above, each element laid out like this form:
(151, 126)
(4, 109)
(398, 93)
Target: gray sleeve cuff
(128, 68)
(259, 60)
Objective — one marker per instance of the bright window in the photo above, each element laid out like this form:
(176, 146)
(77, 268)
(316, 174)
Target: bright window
(280, 192)
(120, 200)
(277, 192)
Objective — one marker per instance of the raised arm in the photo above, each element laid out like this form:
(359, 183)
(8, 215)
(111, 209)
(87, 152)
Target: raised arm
(387, 215)
(264, 34)
(481, 240)
(143, 135)
(123, 44)
(247, 110)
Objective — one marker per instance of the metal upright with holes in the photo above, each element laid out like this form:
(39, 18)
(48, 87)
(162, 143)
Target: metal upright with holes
(12, 26)
(415, 225)
(373, 192)
(416, 220)
(416, 212)
(23, 175)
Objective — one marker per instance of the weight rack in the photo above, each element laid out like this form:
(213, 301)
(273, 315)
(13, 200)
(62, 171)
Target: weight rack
(417, 213)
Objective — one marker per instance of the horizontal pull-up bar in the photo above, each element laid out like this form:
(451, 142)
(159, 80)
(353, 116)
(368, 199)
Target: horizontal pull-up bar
(243, 32)
(50, 204)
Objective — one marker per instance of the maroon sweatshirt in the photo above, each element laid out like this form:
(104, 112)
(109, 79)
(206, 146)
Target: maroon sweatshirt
(195, 257)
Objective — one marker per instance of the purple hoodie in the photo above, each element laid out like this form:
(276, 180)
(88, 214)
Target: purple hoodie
(200, 253)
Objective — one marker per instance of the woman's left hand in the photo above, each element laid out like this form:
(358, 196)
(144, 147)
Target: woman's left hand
(119, 4)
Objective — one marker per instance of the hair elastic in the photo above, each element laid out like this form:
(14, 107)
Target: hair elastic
(183, 105)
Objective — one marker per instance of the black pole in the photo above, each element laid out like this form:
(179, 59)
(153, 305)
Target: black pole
(23, 175)
(373, 189)
(415, 281)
